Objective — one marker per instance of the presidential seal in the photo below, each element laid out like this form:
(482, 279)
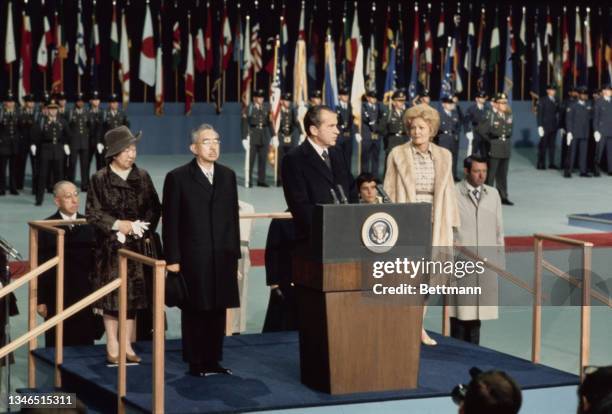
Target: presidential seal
(379, 232)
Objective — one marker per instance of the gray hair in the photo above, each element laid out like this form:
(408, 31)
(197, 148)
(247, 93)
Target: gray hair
(204, 127)
(58, 185)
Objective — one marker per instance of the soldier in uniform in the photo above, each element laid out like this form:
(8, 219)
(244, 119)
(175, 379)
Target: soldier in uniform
(60, 99)
(345, 125)
(53, 137)
(448, 133)
(423, 98)
(114, 117)
(96, 131)
(371, 114)
(476, 113)
(80, 125)
(392, 126)
(289, 127)
(9, 144)
(548, 124)
(577, 123)
(602, 125)
(496, 128)
(315, 98)
(258, 119)
(28, 117)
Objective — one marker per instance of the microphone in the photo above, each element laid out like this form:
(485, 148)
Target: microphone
(383, 193)
(9, 250)
(343, 198)
(334, 196)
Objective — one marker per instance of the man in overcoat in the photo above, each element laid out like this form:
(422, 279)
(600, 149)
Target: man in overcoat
(202, 241)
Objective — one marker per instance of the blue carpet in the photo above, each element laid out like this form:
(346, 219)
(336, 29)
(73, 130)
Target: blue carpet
(601, 221)
(266, 375)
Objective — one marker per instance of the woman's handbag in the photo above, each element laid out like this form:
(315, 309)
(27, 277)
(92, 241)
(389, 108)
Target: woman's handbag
(176, 290)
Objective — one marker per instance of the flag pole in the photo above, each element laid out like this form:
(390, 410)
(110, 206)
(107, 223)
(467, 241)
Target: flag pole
(496, 77)
(575, 71)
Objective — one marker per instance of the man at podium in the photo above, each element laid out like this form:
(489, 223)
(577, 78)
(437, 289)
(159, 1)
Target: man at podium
(315, 172)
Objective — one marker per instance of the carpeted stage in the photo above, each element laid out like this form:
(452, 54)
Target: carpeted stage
(266, 376)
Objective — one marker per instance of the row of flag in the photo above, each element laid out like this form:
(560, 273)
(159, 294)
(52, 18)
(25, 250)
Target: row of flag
(464, 52)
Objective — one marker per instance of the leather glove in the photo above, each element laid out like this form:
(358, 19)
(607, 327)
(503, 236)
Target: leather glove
(33, 149)
(469, 135)
(597, 136)
(274, 141)
(100, 148)
(66, 149)
(541, 131)
(358, 138)
(568, 138)
(302, 138)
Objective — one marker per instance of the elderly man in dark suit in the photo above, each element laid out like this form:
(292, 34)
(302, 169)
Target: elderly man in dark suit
(79, 244)
(202, 241)
(315, 171)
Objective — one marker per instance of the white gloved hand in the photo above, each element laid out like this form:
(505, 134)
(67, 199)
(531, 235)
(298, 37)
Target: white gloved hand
(33, 149)
(469, 135)
(541, 131)
(246, 144)
(302, 138)
(597, 135)
(139, 227)
(100, 147)
(274, 141)
(121, 237)
(66, 149)
(568, 138)
(358, 138)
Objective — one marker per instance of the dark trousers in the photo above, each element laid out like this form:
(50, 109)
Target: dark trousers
(261, 152)
(451, 143)
(20, 166)
(345, 143)
(7, 161)
(578, 148)
(480, 146)
(35, 171)
(498, 175)
(48, 166)
(547, 146)
(83, 156)
(282, 151)
(604, 145)
(370, 156)
(203, 333)
(282, 310)
(468, 331)
(93, 153)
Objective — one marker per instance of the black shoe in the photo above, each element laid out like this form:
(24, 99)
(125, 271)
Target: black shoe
(586, 174)
(540, 166)
(259, 184)
(14, 192)
(215, 369)
(196, 370)
(2, 192)
(507, 202)
(38, 203)
(553, 167)
(596, 174)
(567, 174)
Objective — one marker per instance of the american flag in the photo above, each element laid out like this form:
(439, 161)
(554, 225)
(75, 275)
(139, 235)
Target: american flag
(255, 48)
(275, 89)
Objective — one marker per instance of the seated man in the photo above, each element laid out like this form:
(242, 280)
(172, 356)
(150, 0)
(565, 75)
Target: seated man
(79, 244)
(595, 392)
(366, 185)
(491, 392)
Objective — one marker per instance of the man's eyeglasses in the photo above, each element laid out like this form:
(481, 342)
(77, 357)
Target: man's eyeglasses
(209, 142)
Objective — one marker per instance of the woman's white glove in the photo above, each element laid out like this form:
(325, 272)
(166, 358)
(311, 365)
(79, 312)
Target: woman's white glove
(139, 227)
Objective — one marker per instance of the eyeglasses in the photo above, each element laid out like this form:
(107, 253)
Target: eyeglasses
(210, 142)
(68, 195)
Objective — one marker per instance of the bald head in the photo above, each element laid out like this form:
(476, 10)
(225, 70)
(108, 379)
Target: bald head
(66, 197)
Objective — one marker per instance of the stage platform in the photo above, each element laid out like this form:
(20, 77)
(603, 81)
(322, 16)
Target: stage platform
(601, 221)
(266, 376)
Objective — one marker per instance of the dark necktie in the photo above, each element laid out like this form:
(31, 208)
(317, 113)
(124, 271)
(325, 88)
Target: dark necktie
(325, 156)
(476, 194)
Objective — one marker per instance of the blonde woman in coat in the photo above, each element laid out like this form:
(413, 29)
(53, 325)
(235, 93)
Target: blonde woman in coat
(420, 171)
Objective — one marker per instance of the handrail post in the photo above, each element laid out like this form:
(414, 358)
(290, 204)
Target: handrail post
(158, 337)
(33, 303)
(585, 309)
(445, 316)
(59, 307)
(121, 368)
(537, 302)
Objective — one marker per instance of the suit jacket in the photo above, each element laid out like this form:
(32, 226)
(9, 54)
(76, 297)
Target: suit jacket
(79, 245)
(482, 232)
(307, 182)
(602, 117)
(548, 114)
(201, 232)
(578, 119)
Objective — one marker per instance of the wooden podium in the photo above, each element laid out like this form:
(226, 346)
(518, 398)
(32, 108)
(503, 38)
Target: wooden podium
(351, 341)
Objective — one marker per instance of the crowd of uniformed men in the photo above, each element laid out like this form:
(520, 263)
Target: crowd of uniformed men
(56, 138)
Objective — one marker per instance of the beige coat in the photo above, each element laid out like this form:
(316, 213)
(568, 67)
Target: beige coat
(400, 185)
(481, 231)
